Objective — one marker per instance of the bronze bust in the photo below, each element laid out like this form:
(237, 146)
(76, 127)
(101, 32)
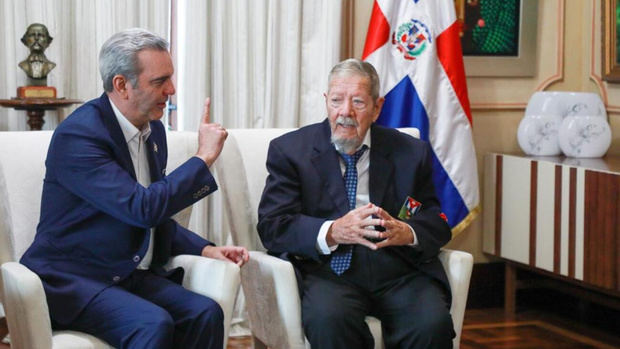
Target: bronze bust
(37, 66)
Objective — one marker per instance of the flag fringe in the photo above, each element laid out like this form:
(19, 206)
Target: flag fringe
(466, 221)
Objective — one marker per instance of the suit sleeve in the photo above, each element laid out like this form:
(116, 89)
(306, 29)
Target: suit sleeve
(281, 225)
(186, 241)
(430, 228)
(86, 165)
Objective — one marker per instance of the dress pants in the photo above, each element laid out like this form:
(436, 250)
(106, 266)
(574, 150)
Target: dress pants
(411, 305)
(149, 311)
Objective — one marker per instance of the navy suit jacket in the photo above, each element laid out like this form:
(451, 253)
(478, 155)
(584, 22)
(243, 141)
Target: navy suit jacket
(95, 216)
(305, 187)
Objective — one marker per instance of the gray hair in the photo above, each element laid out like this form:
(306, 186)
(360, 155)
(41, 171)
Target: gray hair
(354, 66)
(119, 54)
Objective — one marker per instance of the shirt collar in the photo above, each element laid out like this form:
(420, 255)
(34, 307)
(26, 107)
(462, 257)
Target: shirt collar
(129, 130)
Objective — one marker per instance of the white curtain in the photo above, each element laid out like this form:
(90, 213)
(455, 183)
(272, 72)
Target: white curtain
(264, 63)
(79, 28)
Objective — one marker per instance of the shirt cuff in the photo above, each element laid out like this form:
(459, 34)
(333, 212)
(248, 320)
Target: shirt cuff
(415, 238)
(321, 239)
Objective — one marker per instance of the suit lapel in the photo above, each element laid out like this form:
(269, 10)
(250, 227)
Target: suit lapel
(114, 129)
(381, 168)
(325, 160)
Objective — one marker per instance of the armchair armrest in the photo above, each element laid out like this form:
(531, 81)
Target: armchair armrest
(269, 283)
(26, 307)
(458, 266)
(218, 280)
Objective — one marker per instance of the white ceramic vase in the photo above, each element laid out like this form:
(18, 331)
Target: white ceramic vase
(538, 134)
(550, 125)
(538, 130)
(585, 136)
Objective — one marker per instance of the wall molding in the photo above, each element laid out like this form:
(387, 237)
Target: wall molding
(559, 68)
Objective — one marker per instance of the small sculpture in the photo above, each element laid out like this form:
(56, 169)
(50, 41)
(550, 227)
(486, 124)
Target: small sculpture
(37, 66)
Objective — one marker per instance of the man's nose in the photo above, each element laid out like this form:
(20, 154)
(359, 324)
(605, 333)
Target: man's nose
(347, 107)
(169, 90)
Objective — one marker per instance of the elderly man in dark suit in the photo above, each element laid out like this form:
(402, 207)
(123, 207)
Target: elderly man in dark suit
(331, 206)
(105, 230)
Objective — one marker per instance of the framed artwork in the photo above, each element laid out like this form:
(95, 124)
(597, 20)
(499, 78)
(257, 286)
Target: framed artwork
(498, 37)
(611, 46)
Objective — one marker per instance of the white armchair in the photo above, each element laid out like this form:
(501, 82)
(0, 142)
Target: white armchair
(21, 180)
(269, 284)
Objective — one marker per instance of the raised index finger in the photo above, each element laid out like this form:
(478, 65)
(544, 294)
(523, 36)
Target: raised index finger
(206, 113)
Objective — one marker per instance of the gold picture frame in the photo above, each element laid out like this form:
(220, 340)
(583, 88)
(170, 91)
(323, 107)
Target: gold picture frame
(611, 57)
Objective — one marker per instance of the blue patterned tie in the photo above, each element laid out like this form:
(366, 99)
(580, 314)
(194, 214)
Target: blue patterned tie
(341, 258)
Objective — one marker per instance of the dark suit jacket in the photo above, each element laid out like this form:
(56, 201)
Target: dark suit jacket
(95, 217)
(305, 188)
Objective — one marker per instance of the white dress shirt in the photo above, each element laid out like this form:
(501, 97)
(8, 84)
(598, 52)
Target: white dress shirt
(362, 196)
(136, 142)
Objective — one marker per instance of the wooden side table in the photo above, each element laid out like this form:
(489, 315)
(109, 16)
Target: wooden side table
(35, 107)
(557, 217)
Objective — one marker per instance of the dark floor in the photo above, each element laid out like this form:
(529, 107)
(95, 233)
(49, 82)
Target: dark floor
(490, 329)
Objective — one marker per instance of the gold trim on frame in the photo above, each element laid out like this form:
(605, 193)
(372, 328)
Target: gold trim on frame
(611, 67)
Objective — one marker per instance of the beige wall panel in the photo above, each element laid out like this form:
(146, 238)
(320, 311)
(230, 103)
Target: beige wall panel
(362, 10)
(610, 92)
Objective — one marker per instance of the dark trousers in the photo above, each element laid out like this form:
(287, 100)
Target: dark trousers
(149, 311)
(412, 306)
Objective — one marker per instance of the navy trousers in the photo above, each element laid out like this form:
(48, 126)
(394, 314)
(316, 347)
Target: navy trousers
(412, 306)
(150, 311)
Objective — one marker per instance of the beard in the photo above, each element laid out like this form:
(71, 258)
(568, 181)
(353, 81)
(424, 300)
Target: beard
(346, 145)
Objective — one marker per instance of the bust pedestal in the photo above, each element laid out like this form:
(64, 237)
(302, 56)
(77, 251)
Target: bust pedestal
(35, 107)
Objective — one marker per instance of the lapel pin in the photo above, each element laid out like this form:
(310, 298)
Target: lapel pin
(155, 147)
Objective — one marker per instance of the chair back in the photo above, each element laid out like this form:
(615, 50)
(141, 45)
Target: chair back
(22, 168)
(242, 173)
(181, 146)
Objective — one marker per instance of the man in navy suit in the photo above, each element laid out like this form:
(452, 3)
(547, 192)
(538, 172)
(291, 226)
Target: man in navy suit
(353, 256)
(105, 230)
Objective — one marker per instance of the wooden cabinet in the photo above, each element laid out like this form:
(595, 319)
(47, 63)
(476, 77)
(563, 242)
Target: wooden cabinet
(554, 214)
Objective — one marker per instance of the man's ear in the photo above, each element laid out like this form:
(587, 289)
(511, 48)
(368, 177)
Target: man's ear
(378, 106)
(120, 84)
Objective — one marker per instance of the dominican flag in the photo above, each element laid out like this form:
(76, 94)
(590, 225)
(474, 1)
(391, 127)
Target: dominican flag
(416, 49)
